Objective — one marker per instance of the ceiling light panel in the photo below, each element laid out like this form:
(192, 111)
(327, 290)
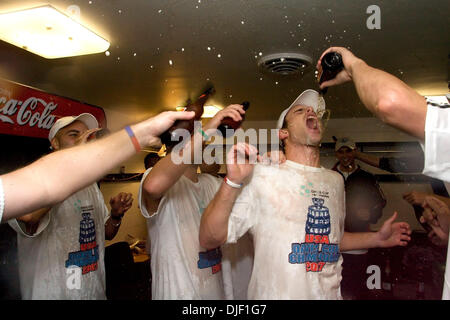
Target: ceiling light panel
(49, 33)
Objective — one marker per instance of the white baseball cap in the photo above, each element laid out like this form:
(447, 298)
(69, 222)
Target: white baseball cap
(310, 98)
(344, 142)
(88, 119)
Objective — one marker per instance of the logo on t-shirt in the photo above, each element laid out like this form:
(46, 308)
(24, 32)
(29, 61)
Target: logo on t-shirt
(317, 250)
(88, 256)
(210, 259)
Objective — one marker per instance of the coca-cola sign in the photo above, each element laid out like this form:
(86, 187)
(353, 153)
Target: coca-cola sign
(25, 111)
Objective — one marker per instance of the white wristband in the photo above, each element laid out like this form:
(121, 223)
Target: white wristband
(232, 184)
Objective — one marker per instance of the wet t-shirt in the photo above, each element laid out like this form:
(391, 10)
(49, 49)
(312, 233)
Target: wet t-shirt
(64, 259)
(295, 215)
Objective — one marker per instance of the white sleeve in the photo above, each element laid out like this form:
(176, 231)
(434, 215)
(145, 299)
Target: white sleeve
(141, 202)
(2, 200)
(437, 143)
(243, 215)
(20, 228)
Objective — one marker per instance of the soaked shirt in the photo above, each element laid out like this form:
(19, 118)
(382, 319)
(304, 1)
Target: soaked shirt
(437, 160)
(64, 258)
(181, 269)
(295, 215)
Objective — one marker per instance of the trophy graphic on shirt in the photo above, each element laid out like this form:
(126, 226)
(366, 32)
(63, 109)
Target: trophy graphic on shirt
(87, 229)
(88, 256)
(318, 220)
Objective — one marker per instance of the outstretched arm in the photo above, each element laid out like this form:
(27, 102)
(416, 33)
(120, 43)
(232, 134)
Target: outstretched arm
(391, 234)
(40, 184)
(386, 96)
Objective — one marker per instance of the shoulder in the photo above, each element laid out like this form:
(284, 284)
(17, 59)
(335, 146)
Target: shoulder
(210, 180)
(362, 174)
(333, 174)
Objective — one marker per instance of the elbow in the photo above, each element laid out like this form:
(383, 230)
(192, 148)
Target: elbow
(210, 240)
(152, 189)
(388, 107)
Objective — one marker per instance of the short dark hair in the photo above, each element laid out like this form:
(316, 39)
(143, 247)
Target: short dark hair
(151, 159)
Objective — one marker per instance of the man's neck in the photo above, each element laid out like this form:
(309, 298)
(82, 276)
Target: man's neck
(303, 154)
(191, 173)
(350, 168)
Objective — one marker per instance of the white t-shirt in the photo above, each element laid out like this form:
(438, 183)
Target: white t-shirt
(237, 265)
(437, 161)
(437, 143)
(175, 249)
(295, 214)
(64, 259)
(178, 272)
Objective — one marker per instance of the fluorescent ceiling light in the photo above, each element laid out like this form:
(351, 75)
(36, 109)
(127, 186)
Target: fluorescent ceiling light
(49, 33)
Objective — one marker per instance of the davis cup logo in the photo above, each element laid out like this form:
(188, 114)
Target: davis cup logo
(317, 250)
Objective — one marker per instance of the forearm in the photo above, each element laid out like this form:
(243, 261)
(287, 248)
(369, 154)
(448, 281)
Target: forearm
(371, 160)
(170, 169)
(358, 241)
(214, 222)
(390, 99)
(112, 226)
(56, 176)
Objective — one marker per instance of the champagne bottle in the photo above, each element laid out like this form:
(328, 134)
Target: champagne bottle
(229, 123)
(172, 136)
(331, 64)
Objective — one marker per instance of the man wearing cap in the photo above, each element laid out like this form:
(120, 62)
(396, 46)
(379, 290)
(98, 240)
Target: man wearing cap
(172, 197)
(400, 106)
(364, 202)
(295, 213)
(61, 249)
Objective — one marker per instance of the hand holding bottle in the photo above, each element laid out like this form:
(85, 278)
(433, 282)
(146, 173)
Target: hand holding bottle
(171, 136)
(345, 75)
(234, 112)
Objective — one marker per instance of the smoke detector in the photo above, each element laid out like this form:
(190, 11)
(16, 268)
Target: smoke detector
(285, 64)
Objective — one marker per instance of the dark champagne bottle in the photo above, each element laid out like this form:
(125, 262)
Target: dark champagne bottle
(171, 137)
(229, 123)
(331, 64)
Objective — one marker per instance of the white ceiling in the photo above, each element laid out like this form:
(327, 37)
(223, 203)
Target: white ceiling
(136, 78)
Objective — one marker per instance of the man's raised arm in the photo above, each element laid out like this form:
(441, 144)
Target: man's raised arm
(214, 222)
(386, 96)
(40, 184)
(167, 171)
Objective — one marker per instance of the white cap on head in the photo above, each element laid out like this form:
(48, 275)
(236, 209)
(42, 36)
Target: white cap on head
(310, 98)
(88, 119)
(344, 142)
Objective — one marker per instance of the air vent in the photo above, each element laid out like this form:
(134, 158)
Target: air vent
(285, 64)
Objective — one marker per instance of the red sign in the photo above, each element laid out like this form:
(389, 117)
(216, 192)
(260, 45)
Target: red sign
(25, 111)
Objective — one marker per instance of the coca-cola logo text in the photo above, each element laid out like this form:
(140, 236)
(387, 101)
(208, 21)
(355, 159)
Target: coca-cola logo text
(27, 113)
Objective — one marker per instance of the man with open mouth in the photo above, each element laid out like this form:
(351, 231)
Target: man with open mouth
(295, 212)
